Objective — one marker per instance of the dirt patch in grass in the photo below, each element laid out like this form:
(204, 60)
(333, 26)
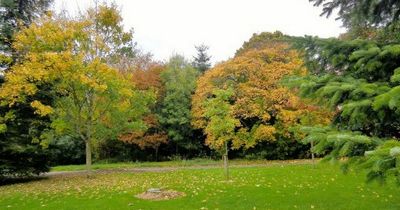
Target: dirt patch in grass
(160, 194)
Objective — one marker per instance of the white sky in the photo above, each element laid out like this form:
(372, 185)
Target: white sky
(164, 27)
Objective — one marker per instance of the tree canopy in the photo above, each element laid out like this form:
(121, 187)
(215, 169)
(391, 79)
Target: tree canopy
(362, 12)
(251, 97)
(179, 79)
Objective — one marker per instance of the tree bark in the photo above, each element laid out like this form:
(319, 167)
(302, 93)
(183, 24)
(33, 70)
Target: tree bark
(226, 166)
(312, 154)
(156, 153)
(88, 156)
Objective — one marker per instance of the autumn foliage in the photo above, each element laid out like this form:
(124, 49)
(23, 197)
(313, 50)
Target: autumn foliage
(262, 109)
(154, 136)
(83, 80)
(70, 61)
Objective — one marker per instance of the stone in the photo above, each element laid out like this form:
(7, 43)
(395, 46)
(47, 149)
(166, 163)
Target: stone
(154, 190)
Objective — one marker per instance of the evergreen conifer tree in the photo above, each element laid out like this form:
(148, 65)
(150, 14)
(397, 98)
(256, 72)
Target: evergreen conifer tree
(202, 59)
(359, 80)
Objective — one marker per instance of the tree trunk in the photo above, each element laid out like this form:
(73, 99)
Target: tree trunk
(312, 154)
(156, 154)
(225, 157)
(88, 156)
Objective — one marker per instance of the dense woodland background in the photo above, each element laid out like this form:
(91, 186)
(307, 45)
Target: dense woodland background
(77, 88)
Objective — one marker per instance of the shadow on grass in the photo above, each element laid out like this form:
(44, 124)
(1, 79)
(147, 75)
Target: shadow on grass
(18, 180)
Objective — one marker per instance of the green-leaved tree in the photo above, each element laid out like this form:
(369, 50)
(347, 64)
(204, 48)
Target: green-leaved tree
(222, 124)
(179, 79)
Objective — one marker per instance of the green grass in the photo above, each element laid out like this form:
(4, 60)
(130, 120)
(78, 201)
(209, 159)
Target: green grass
(280, 186)
(175, 163)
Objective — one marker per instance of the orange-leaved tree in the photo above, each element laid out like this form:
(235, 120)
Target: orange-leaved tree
(262, 110)
(149, 80)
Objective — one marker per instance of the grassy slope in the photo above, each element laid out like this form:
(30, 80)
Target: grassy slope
(275, 187)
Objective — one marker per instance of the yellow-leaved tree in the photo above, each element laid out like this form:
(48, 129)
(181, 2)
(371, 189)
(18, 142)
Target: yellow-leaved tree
(71, 59)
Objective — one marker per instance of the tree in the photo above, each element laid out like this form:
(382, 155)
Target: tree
(138, 62)
(202, 59)
(98, 112)
(264, 40)
(108, 40)
(20, 152)
(92, 101)
(262, 109)
(366, 19)
(356, 12)
(222, 124)
(179, 79)
(149, 78)
(152, 137)
(155, 135)
(358, 80)
(360, 85)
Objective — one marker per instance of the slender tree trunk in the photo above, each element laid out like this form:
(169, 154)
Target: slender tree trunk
(89, 138)
(156, 154)
(88, 156)
(226, 166)
(312, 154)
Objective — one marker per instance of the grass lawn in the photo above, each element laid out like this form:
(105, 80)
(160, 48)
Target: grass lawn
(279, 186)
(176, 163)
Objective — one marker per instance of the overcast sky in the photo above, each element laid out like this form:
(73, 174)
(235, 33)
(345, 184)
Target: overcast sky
(164, 27)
